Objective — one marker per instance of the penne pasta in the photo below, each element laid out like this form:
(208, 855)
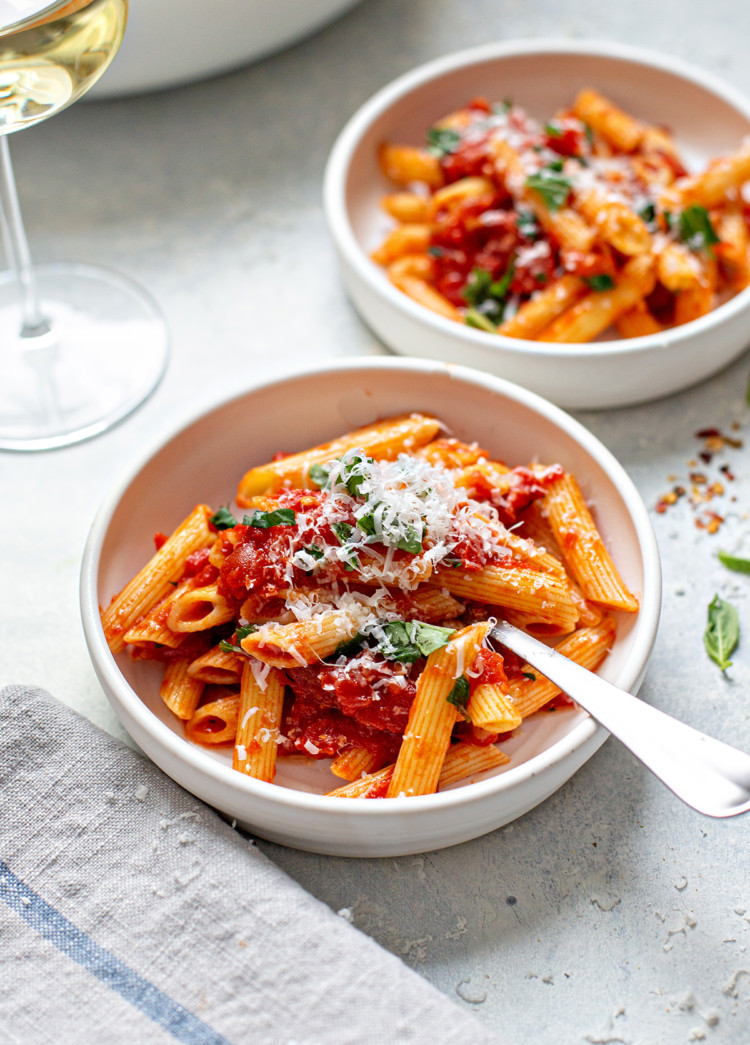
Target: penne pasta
(531, 229)
(156, 579)
(344, 619)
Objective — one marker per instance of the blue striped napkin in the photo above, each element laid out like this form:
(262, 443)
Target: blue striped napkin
(131, 914)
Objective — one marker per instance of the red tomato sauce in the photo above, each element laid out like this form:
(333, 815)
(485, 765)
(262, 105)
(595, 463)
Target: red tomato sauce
(353, 703)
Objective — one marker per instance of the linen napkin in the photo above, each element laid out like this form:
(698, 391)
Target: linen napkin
(131, 913)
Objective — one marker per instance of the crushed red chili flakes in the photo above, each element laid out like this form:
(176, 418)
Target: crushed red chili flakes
(703, 488)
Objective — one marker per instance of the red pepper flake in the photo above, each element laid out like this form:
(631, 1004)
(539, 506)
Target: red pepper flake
(710, 522)
(670, 498)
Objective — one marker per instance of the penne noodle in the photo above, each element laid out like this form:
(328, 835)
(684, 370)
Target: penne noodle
(432, 716)
(215, 722)
(593, 314)
(587, 647)
(179, 690)
(157, 578)
(349, 625)
(583, 548)
(258, 722)
(382, 440)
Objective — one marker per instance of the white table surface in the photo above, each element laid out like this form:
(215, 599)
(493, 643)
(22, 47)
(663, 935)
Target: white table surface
(612, 913)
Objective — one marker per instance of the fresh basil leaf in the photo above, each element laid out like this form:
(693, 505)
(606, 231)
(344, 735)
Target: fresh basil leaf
(441, 141)
(315, 551)
(485, 296)
(474, 318)
(399, 644)
(431, 637)
(412, 542)
(601, 281)
(223, 519)
(502, 108)
(734, 562)
(318, 474)
(647, 214)
(265, 520)
(552, 130)
(529, 675)
(344, 531)
(349, 647)
(527, 224)
(553, 187)
(722, 632)
(695, 228)
(351, 473)
(407, 641)
(459, 695)
(240, 633)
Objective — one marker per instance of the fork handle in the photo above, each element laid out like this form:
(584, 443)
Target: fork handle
(707, 774)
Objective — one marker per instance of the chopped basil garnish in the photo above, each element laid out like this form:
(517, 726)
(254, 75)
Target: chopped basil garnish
(474, 318)
(441, 141)
(264, 520)
(529, 675)
(240, 633)
(527, 224)
(223, 519)
(734, 562)
(318, 474)
(459, 695)
(412, 542)
(553, 187)
(695, 228)
(722, 632)
(407, 641)
(349, 647)
(552, 130)
(599, 282)
(648, 215)
(486, 296)
(344, 531)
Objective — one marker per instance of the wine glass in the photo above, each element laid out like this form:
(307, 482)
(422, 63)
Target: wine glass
(80, 347)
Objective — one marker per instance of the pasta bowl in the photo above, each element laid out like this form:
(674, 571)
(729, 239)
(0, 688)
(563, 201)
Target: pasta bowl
(199, 463)
(706, 118)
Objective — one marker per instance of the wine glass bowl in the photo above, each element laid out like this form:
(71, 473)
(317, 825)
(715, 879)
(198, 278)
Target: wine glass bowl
(80, 347)
(51, 59)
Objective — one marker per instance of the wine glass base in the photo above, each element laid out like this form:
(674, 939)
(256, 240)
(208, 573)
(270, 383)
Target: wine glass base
(104, 354)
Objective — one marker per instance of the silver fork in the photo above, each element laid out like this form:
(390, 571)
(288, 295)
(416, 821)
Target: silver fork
(707, 774)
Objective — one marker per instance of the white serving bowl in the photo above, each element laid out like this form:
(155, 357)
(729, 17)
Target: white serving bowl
(169, 43)
(707, 118)
(202, 462)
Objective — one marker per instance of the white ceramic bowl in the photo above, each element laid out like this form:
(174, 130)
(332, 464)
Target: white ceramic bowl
(169, 43)
(202, 461)
(708, 119)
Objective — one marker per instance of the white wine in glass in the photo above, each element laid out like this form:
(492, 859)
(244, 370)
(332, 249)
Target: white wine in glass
(80, 347)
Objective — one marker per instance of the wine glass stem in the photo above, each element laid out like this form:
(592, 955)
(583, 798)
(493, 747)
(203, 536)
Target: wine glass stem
(33, 322)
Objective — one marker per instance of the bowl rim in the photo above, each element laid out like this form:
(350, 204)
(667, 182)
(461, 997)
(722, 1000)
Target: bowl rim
(122, 695)
(341, 230)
